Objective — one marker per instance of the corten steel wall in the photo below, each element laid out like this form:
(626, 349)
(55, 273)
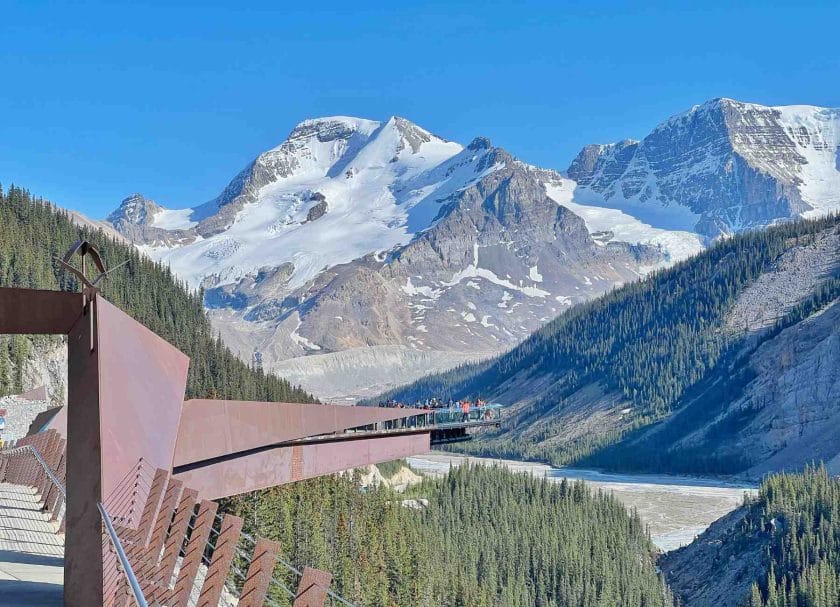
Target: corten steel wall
(215, 428)
(142, 383)
(83, 547)
(34, 312)
(142, 379)
(281, 465)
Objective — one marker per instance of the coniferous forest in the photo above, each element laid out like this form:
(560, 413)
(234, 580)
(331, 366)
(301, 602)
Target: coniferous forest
(780, 549)
(801, 514)
(487, 538)
(32, 232)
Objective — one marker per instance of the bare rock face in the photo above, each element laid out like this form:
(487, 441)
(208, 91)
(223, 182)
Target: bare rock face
(134, 220)
(501, 259)
(718, 568)
(319, 209)
(735, 165)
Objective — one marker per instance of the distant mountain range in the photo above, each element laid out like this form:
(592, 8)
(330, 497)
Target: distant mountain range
(358, 254)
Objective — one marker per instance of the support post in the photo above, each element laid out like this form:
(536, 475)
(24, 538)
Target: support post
(83, 546)
(194, 552)
(221, 561)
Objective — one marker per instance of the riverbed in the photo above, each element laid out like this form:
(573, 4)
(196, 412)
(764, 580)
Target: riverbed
(675, 508)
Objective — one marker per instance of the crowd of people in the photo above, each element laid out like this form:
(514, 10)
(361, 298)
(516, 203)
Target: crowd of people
(465, 406)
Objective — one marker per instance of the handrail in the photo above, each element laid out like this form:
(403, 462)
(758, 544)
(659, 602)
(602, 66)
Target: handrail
(58, 484)
(126, 566)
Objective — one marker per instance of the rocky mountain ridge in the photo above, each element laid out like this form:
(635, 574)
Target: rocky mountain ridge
(356, 234)
(721, 167)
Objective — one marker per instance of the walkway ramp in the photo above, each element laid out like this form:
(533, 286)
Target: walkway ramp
(31, 552)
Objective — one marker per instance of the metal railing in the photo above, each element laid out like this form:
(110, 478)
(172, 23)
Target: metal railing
(127, 570)
(39, 458)
(131, 567)
(26, 465)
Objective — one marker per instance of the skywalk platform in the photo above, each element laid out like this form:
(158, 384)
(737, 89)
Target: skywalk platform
(31, 553)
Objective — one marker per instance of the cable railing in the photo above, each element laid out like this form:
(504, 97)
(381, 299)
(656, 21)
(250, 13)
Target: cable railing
(38, 461)
(125, 565)
(162, 546)
(245, 555)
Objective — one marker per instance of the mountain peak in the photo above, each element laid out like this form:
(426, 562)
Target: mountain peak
(330, 128)
(480, 143)
(135, 209)
(730, 164)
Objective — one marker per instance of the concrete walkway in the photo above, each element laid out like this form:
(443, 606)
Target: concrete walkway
(31, 553)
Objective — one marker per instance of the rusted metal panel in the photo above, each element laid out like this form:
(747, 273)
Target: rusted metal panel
(140, 537)
(35, 394)
(50, 444)
(213, 428)
(147, 573)
(45, 420)
(221, 561)
(259, 573)
(55, 464)
(275, 466)
(174, 542)
(312, 589)
(36, 312)
(194, 553)
(142, 382)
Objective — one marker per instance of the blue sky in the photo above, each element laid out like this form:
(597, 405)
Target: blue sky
(171, 99)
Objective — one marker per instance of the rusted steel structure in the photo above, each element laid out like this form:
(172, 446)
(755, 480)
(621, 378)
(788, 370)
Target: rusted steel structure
(126, 404)
(126, 409)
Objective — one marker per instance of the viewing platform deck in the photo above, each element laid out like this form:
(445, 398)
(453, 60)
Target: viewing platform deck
(31, 552)
(446, 425)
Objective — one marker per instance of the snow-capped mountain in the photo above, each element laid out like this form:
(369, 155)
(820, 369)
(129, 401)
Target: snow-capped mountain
(336, 189)
(359, 243)
(720, 167)
(361, 254)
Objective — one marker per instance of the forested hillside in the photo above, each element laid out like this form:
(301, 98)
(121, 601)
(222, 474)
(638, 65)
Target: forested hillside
(488, 538)
(781, 549)
(632, 357)
(32, 232)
